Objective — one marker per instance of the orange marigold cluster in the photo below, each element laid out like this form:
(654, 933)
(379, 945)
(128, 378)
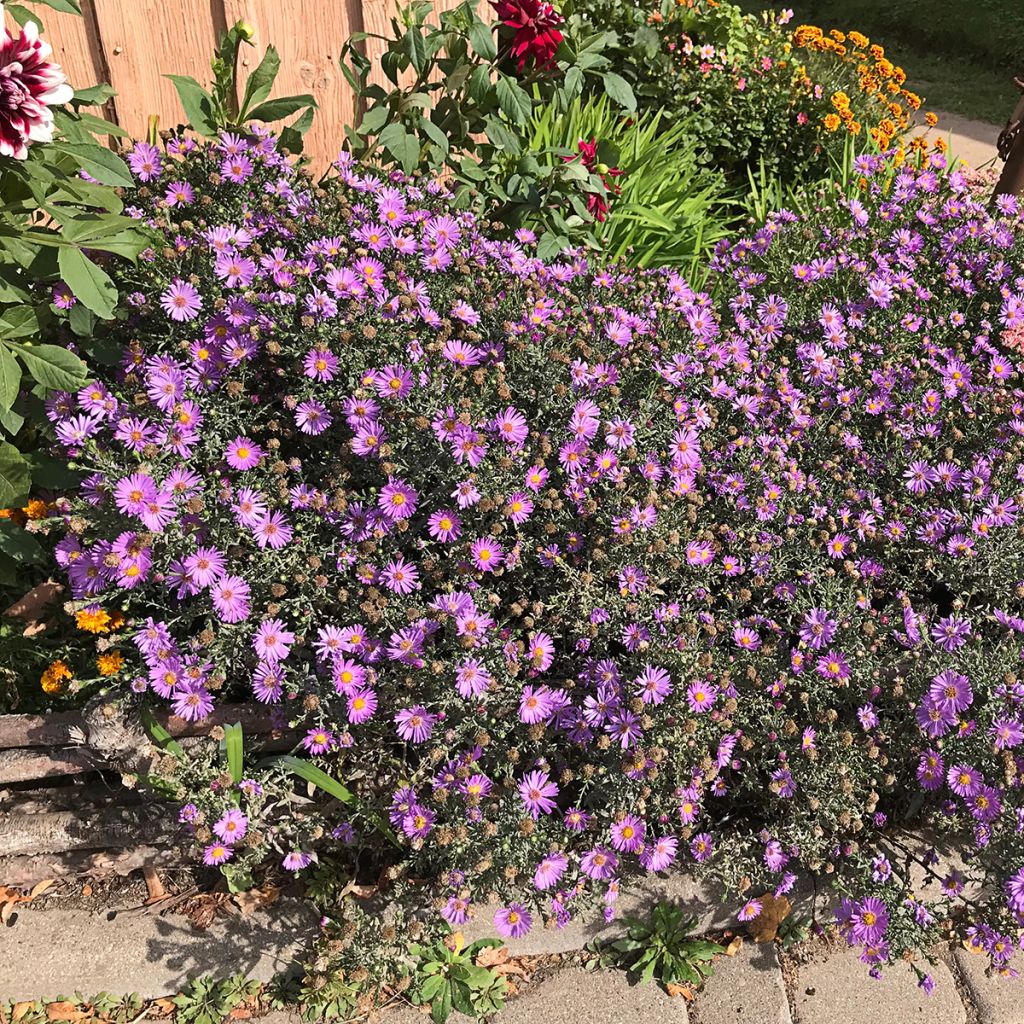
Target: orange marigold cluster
(880, 84)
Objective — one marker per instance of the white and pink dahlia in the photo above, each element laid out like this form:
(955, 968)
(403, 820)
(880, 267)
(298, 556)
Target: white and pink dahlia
(29, 86)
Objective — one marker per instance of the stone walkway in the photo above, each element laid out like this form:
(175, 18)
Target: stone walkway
(974, 142)
(50, 953)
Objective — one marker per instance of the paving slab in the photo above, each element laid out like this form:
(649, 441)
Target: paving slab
(838, 990)
(747, 988)
(999, 1000)
(575, 996)
(705, 902)
(51, 952)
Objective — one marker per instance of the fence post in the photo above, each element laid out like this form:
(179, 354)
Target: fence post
(1011, 149)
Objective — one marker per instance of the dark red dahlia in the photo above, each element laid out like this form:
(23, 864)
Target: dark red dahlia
(534, 25)
(29, 86)
(597, 206)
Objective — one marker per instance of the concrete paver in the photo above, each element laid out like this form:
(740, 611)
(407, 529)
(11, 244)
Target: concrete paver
(575, 996)
(747, 988)
(999, 1000)
(49, 953)
(838, 990)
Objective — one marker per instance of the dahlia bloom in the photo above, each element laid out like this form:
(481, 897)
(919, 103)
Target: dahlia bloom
(534, 25)
(29, 86)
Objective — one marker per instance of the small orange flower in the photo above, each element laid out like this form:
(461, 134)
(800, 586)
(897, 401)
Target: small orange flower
(52, 680)
(931, 119)
(110, 664)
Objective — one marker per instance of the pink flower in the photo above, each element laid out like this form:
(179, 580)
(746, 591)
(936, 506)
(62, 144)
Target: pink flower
(487, 554)
(29, 86)
(272, 641)
(513, 921)
(243, 453)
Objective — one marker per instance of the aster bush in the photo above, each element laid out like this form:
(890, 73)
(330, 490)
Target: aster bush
(559, 574)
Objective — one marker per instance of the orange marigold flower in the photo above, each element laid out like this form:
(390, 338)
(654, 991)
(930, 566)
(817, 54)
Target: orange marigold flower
(52, 680)
(93, 620)
(941, 145)
(839, 37)
(111, 663)
(853, 127)
(913, 100)
(840, 100)
(931, 119)
(831, 122)
(16, 515)
(858, 40)
(36, 509)
(877, 51)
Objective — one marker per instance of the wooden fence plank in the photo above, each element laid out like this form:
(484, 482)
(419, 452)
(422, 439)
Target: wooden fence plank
(143, 40)
(309, 35)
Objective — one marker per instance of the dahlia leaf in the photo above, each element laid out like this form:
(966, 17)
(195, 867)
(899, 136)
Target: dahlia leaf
(10, 378)
(284, 106)
(196, 102)
(64, 6)
(98, 162)
(90, 283)
(261, 81)
(14, 476)
(515, 104)
(53, 366)
(619, 90)
(482, 38)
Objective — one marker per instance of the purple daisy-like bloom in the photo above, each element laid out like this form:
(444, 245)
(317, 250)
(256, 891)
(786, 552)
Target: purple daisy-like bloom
(192, 701)
(232, 826)
(296, 860)
(243, 453)
(272, 642)
(951, 691)
(397, 500)
(181, 301)
(659, 854)
(487, 554)
(628, 834)
(868, 921)
(599, 863)
(216, 854)
(702, 847)
(537, 792)
(456, 911)
(361, 706)
(550, 870)
(230, 596)
(415, 724)
(513, 921)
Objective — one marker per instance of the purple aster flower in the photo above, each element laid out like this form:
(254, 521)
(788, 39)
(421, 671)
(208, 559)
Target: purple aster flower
(513, 921)
(415, 724)
(181, 301)
(537, 792)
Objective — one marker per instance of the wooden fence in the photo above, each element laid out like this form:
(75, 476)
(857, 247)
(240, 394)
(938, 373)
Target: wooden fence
(132, 44)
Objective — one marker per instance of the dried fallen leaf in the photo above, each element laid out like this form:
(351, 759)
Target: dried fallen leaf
(734, 946)
(492, 956)
(163, 1006)
(64, 1011)
(774, 910)
(154, 885)
(19, 1010)
(40, 887)
(30, 607)
(87, 890)
(679, 990)
(240, 1013)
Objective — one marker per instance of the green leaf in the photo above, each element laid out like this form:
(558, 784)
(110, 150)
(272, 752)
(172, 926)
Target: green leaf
(11, 421)
(315, 776)
(90, 283)
(14, 476)
(441, 1007)
(10, 378)
(430, 987)
(291, 137)
(233, 745)
(101, 126)
(481, 37)
(402, 145)
(196, 102)
(22, 321)
(64, 6)
(53, 366)
(261, 81)
(100, 163)
(163, 739)
(619, 90)
(284, 106)
(52, 473)
(514, 102)
(19, 545)
(94, 95)
(374, 120)
(21, 15)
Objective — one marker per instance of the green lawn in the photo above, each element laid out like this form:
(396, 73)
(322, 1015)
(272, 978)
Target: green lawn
(960, 55)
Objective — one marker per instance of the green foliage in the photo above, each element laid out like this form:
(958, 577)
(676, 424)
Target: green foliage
(208, 112)
(662, 948)
(447, 978)
(208, 1001)
(468, 105)
(668, 210)
(58, 229)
